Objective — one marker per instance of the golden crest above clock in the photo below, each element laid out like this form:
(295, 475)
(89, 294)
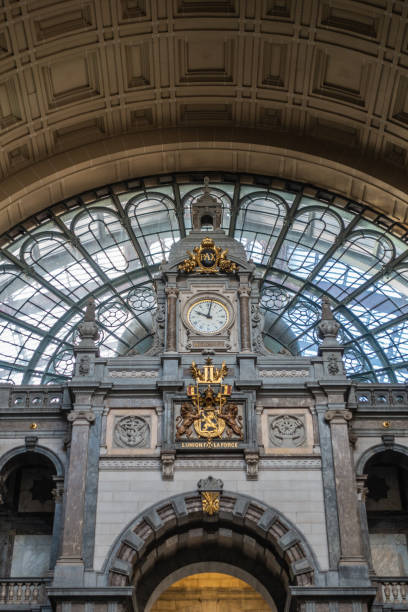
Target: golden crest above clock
(208, 259)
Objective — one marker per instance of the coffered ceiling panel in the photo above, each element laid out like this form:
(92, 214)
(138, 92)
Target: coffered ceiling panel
(329, 78)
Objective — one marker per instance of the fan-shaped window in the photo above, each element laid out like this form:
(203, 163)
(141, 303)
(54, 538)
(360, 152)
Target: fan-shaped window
(103, 237)
(260, 220)
(312, 233)
(110, 246)
(60, 264)
(155, 225)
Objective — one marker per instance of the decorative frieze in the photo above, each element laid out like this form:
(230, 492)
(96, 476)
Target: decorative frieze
(224, 464)
(283, 373)
(133, 373)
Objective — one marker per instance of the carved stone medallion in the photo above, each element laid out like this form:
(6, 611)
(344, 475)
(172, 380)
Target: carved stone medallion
(287, 431)
(132, 431)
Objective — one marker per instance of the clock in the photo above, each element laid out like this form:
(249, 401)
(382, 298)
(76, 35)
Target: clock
(208, 316)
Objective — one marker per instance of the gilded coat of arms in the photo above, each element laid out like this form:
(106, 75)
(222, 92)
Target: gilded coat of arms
(208, 259)
(208, 411)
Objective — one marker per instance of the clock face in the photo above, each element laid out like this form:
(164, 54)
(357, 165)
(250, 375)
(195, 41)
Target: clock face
(208, 316)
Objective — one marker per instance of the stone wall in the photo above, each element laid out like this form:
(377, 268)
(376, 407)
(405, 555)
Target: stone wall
(125, 493)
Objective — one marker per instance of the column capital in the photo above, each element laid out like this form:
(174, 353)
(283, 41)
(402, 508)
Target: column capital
(338, 416)
(244, 291)
(172, 291)
(81, 417)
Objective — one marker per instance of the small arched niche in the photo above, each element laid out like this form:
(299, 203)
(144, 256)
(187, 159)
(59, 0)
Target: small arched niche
(387, 512)
(26, 515)
(217, 587)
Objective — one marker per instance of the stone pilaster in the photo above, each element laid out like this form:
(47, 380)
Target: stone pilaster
(171, 342)
(351, 552)
(72, 541)
(244, 293)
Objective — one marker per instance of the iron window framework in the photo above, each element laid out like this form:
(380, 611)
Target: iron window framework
(109, 243)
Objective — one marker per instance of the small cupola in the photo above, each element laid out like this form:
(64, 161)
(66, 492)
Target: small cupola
(206, 212)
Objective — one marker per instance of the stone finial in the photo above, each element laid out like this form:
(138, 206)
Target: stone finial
(88, 329)
(328, 327)
(90, 310)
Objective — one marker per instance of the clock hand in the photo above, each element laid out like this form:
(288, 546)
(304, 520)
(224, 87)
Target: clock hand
(202, 314)
(209, 310)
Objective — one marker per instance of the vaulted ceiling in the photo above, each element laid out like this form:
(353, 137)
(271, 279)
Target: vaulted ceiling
(98, 91)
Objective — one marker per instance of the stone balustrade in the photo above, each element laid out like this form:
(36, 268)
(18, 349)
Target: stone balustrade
(392, 590)
(22, 591)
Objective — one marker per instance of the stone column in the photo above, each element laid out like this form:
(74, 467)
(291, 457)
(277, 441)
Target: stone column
(351, 552)
(171, 344)
(244, 293)
(74, 505)
(58, 496)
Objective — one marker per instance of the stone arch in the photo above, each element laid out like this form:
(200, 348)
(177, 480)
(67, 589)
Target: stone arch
(376, 450)
(245, 533)
(41, 450)
(241, 150)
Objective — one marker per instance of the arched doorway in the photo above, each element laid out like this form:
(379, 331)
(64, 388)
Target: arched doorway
(254, 542)
(211, 591)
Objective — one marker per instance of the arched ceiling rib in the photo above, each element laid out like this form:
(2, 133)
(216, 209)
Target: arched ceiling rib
(315, 91)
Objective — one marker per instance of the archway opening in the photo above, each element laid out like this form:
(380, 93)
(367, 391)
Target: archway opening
(215, 591)
(27, 509)
(387, 510)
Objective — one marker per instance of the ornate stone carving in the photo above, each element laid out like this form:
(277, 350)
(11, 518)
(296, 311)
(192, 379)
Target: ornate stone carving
(167, 463)
(210, 484)
(132, 431)
(208, 259)
(84, 365)
(81, 417)
(333, 365)
(287, 431)
(283, 373)
(257, 321)
(158, 328)
(133, 374)
(210, 489)
(252, 463)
